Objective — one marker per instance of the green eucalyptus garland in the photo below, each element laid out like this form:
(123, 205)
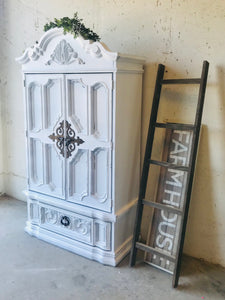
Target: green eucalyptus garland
(74, 26)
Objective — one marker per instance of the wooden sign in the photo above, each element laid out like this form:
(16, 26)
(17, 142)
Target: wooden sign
(165, 226)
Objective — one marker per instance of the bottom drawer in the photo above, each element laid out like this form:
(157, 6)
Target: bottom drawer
(78, 227)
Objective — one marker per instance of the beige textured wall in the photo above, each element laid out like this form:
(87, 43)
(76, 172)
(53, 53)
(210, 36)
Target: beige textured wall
(180, 34)
(2, 103)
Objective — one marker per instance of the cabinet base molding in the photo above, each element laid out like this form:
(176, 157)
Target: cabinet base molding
(104, 257)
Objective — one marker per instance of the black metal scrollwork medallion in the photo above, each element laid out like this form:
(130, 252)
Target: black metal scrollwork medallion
(65, 139)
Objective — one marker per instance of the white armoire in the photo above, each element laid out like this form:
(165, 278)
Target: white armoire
(83, 125)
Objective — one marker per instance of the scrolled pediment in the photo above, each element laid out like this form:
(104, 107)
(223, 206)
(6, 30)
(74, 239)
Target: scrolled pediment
(58, 48)
(34, 52)
(96, 49)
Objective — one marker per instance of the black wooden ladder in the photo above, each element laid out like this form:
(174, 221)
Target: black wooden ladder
(176, 259)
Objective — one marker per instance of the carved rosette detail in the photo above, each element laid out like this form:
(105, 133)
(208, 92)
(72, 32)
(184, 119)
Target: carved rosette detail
(51, 216)
(77, 224)
(65, 139)
(64, 54)
(81, 226)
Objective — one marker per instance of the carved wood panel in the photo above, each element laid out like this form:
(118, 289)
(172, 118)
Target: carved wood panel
(100, 111)
(78, 227)
(89, 108)
(53, 109)
(36, 162)
(35, 107)
(78, 105)
(44, 111)
(99, 166)
(78, 175)
(87, 105)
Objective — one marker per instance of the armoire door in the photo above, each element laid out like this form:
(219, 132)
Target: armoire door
(45, 112)
(89, 111)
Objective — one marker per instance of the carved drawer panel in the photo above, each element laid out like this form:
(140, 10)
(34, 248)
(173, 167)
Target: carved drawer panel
(78, 227)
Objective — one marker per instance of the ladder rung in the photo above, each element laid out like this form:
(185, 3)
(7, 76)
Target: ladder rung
(163, 207)
(177, 126)
(155, 251)
(169, 165)
(182, 81)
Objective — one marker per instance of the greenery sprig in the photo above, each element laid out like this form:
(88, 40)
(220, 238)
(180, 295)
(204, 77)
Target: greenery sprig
(74, 26)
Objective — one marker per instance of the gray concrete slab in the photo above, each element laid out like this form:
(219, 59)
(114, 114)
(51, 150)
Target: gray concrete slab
(33, 269)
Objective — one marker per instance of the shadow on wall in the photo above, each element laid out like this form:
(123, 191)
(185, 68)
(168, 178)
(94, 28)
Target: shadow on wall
(149, 78)
(206, 218)
(199, 241)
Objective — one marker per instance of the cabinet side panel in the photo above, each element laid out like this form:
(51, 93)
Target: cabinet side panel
(127, 138)
(124, 230)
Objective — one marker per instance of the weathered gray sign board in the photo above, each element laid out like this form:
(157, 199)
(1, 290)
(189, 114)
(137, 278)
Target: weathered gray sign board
(165, 227)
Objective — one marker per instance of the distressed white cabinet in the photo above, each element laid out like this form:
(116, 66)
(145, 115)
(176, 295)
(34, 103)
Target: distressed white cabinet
(83, 124)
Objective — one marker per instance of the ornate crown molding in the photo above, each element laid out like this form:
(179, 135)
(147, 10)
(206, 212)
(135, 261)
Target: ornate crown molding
(95, 49)
(33, 53)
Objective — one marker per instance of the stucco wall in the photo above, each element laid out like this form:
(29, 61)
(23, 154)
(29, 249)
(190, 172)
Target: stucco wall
(2, 102)
(180, 34)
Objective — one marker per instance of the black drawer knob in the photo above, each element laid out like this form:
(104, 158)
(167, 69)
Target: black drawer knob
(65, 221)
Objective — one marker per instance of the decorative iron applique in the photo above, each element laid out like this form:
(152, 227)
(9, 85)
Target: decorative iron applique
(65, 139)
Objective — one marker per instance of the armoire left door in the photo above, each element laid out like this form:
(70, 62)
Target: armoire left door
(45, 114)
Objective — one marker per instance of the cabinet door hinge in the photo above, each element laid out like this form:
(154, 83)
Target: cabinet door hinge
(24, 82)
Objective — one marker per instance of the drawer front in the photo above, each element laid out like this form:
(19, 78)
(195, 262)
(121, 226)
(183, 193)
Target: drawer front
(78, 227)
(69, 224)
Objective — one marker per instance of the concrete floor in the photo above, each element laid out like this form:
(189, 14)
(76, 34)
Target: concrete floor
(32, 269)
